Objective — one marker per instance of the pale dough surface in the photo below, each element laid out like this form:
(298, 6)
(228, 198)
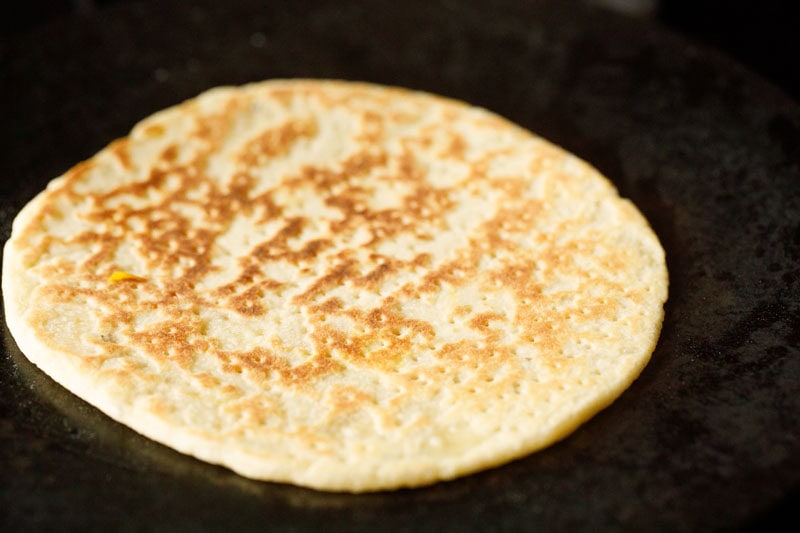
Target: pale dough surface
(339, 285)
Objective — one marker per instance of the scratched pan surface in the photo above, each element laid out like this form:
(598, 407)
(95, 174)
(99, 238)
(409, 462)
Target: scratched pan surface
(707, 438)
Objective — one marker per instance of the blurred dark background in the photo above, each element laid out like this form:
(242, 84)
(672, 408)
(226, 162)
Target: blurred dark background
(761, 35)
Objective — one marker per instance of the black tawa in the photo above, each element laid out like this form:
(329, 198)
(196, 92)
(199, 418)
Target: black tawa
(708, 438)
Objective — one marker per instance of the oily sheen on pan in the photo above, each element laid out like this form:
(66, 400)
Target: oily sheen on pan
(339, 285)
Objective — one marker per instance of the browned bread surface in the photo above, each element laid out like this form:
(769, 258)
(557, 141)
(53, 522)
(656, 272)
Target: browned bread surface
(340, 285)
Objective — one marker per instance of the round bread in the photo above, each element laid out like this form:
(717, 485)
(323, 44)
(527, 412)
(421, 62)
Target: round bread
(339, 285)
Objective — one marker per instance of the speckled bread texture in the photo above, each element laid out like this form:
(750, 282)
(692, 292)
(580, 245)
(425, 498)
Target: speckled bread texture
(339, 285)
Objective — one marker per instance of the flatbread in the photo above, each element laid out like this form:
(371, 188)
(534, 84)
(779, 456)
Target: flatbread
(339, 285)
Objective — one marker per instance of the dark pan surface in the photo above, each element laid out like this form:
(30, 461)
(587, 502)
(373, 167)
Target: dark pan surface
(707, 438)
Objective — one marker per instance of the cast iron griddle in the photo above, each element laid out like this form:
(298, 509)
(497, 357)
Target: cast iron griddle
(707, 438)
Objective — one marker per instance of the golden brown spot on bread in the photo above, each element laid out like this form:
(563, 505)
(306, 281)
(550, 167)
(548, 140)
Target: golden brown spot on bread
(345, 398)
(328, 307)
(73, 176)
(482, 321)
(374, 276)
(276, 141)
(175, 341)
(119, 149)
(258, 360)
(362, 162)
(335, 276)
(154, 131)
(456, 147)
(251, 412)
(248, 302)
(170, 154)
(305, 374)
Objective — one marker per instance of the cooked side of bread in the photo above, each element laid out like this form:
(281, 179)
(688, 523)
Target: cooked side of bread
(339, 285)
